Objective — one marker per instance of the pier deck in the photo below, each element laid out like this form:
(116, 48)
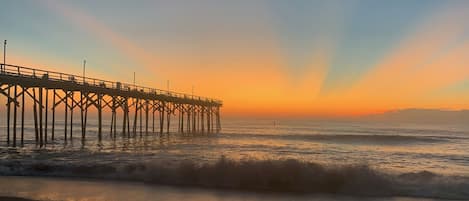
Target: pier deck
(47, 91)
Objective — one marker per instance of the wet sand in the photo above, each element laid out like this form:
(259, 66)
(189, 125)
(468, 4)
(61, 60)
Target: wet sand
(47, 188)
(6, 198)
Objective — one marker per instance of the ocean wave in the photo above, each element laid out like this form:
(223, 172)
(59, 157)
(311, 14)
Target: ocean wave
(354, 138)
(288, 175)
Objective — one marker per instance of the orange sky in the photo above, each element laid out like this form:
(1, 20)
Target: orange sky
(264, 58)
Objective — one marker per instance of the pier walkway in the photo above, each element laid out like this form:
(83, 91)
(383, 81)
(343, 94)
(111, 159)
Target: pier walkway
(49, 93)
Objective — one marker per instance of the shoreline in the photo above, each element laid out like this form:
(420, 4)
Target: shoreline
(291, 177)
(95, 189)
(11, 198)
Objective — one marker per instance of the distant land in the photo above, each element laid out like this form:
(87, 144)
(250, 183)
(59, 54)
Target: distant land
(422, 116)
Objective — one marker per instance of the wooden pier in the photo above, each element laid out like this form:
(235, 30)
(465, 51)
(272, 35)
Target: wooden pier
(48, 91)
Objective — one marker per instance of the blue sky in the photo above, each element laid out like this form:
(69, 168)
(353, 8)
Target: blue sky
(337, 43)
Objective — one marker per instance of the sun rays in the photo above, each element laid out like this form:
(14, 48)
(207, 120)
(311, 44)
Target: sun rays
(277, 58)
(423, 61)
(103, 32)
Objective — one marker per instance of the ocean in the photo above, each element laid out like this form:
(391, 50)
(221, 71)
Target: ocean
(251, 159)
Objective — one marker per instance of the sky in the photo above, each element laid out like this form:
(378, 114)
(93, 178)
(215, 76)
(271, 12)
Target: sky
(261, 57)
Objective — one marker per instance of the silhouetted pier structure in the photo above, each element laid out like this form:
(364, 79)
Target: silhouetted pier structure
(47, 91)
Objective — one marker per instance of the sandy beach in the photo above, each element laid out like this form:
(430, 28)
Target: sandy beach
(53, 188)
(6, 198)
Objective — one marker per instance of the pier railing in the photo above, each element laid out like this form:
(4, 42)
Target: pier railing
(27, 72)
(21, 85)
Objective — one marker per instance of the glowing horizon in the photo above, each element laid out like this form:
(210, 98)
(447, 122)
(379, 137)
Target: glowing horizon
(263, 58)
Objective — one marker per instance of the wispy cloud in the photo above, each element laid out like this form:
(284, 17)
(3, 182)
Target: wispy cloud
(420, 62)
(308, 34)
(89, 23)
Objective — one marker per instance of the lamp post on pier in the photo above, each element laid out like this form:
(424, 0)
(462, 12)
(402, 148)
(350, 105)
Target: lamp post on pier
(4, 54)
(167, 86)
(84, 67)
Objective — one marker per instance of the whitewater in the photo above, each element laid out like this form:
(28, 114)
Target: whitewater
(250, 160)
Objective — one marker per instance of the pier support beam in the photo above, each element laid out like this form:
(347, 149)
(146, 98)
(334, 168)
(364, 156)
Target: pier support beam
(208, 119)
(8, 115)
(153, 110)
(46, 108)
(53, 116)
(82, 115)
(135, 117)
(168, 119)
(146, 116)
(125, 110)
(22, 115)
(41, 133)
(15, 111)
(195, 114)
(36, 131)
(66, 115)
(201, 121)
(182, 119)
(162, 107)
(140, 108)
(72, 106)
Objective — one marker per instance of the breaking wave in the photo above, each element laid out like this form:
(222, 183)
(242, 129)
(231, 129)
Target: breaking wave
(289, 175)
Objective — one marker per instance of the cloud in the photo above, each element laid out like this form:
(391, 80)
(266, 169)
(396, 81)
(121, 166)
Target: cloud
(103, 32)
(422, 61)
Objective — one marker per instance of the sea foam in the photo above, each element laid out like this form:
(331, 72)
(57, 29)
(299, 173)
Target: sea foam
(283, 175)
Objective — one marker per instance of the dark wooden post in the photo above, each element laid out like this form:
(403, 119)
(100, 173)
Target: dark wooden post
(66, 115)
(162, 117)
(182, 119)
(46, 116)
(112, 122)
(179, 121)
(153, 116)
(53, 115)
(127, 113)
(188, 119)
(146, 117)
(124, 111)
(202, 122)
(140, 107)
(22, 116)
(14, 115)
(194, 115)
(135, 118)
(41, 133)
(35, 116)
(8, 115)
(82, 116)
(168, 118)
(208, 118)
(114, 117)
(100, 117)
(86, 119)
(72, 106)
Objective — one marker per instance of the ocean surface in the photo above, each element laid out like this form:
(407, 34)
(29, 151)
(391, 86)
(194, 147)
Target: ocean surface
(248, 160)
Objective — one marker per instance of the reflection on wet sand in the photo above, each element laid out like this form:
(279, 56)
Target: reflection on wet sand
(95, 190)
